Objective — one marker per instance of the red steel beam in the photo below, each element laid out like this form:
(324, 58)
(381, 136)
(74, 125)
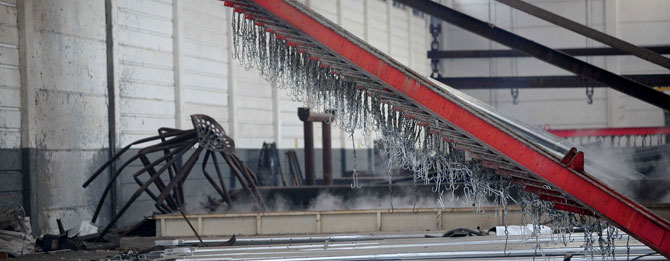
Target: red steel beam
(598, 132)
(607, 203)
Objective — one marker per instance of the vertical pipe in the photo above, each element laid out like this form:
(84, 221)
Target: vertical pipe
(327, 154)
(111, 98)
(309, 153)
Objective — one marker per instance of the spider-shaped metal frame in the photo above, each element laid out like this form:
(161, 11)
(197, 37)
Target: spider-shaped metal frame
(210, 138)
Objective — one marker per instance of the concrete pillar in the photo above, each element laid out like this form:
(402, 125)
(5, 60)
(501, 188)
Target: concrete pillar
(178, 28)
(27, 72)
(612, 62)
(232, 101)
(64, 91)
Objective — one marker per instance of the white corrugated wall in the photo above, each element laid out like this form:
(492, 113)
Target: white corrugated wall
(10, 83)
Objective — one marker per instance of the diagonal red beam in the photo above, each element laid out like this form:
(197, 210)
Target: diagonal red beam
(607, 203)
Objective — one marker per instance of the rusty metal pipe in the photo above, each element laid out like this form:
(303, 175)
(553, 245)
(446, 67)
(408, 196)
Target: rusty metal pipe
(327, 153)
(310, 176)
(325, 118)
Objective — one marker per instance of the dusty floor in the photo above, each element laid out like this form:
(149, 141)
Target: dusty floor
(471, 248)
(72, 255)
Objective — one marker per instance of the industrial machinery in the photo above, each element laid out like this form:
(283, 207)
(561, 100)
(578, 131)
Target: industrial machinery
(430, 127)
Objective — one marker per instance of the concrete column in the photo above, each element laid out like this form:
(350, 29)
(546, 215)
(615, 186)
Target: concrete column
(612, 62)
(339, 12)
(27, 72)
(410, 33)
(65, 92)
(276, 116)
(232, 103)
(26, 64)
(112, 98)
(178, 28)
(366, 24)
(389, 25)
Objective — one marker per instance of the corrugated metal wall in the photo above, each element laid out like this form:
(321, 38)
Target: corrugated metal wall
(10, 94)
(10, 108)
(144, 68)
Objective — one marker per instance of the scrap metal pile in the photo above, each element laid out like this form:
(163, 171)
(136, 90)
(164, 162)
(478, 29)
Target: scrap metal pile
(173, 144)
(371, 93)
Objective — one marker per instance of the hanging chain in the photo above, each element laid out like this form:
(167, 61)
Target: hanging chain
(435, 30)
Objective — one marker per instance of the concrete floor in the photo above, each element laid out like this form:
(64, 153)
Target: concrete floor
(73, 255)
(378, 246)
(473, 248)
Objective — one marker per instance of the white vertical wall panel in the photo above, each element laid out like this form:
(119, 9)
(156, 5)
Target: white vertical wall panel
(378, 25)
(327, 9)
(399, 34)
(353, 18)
(292, 132)
(205, 61)
(145, 70)
(253, 109)
(421, 39)
(10, 83)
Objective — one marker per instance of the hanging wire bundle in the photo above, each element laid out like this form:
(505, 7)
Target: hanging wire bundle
(413, 141)
(315, 78)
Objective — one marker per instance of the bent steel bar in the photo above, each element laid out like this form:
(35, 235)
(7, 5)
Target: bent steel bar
(586, 190)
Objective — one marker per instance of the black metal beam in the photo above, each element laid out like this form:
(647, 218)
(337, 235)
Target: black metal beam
(589, 32)
(656, 80)
(559, 59)
(598, 51)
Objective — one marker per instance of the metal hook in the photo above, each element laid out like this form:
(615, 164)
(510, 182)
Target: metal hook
(589, 95)
(515, 95)
(356, 184)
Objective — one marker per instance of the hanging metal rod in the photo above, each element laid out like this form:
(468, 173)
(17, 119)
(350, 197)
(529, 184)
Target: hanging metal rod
(559, 59)
(589, 32)
(597, 51)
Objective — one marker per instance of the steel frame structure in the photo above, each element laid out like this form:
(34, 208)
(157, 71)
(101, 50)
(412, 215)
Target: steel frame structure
(498, 145)
(541, 52)
(593, 51)
(612, 41)
(657, 81)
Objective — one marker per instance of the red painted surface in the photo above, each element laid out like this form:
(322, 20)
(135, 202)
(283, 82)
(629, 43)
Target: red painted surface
(625, 213)
(597, 132)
